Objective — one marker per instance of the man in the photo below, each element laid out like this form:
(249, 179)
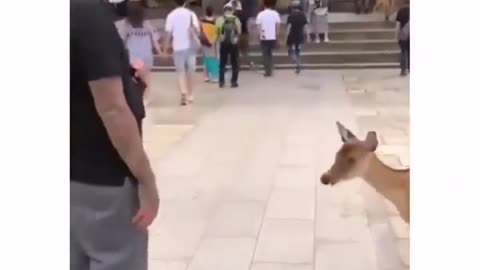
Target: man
(229, 30)
(268, 22)
(296, 23)
(113, 193)
(403, 34)
(181, 25)
(244, 41)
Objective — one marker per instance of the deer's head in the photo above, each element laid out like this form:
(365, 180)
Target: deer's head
(352, 159)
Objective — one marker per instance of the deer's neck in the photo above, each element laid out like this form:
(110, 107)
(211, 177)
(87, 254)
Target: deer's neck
(383, 178)
(394, 185)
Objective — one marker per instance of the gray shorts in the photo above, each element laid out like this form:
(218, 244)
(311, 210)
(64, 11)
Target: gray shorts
(185, 61)
(102, 236)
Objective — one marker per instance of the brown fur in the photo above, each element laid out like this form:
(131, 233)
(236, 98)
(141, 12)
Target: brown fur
(357, 158)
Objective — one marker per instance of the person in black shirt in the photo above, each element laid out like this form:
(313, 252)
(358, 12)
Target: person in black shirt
(295, 32)
(403, 33)
(113, 193)
(244, 39)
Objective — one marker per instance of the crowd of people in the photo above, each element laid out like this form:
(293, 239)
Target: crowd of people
(224, 40)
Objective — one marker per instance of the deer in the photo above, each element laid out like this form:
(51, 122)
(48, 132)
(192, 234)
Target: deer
(357, 158)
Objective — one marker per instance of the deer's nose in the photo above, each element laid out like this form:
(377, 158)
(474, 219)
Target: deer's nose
(325, 179)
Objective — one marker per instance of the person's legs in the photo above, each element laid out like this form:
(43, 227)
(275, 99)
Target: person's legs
(101, 225)
(297, 48)
(180, 59)
(408, 55)
(223, 64)
(271, 46)
(190, 73)
(234, 52)
(403, 57)
(264, 44)
(206, 69)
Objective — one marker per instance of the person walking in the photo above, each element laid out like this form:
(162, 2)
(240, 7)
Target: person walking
(268, 22)
(403, 34)
(139, 38)
(182, 29)
(230, 29)
(209, 40)
(113, 191)
(387, 7)
(319, 20)
(244, 42)
(296, 23)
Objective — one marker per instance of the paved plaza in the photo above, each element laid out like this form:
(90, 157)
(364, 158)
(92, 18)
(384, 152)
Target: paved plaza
(238, 173)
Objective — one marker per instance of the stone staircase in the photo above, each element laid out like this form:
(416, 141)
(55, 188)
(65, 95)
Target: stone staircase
(361, 44)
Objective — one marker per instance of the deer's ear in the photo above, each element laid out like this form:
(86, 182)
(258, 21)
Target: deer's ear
(345, 133)
(371, 141)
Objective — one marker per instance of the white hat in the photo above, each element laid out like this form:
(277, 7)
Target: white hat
(227, 5)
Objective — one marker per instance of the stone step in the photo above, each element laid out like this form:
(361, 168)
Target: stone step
(314, 58)
(334, 46)
(341, 6)
(333, 26)
(350, 35)
(304, 66)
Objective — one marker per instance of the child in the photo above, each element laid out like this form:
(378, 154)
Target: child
(295, 32)
(319, 20)
(139, 38)
(209, 45)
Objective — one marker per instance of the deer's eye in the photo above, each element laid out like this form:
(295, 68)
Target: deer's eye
(351, 160)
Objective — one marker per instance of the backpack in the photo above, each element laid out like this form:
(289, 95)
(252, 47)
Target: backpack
(404, 33)
(206, 29)
(229, 30)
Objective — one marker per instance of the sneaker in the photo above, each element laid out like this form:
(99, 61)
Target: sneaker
(234, 85)
(297, 70)
(317, 41)
(221, 85)
(403, 74)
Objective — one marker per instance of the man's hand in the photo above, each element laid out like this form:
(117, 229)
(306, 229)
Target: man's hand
(149, 204)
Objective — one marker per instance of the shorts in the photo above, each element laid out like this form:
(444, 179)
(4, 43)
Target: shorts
(102, 235)
(185, 61)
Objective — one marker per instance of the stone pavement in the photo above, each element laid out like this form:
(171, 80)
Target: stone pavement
(239, 172)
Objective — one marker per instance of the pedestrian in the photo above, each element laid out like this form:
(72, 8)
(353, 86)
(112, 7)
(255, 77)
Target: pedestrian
(209, 39)
(244, 42)
(230, 29)
(140, 39)
(319, 20)
(182, 29)
(268, 22)
(403, 34)
(363, 6)
(296, 23)
(113, 192)
(387, 7)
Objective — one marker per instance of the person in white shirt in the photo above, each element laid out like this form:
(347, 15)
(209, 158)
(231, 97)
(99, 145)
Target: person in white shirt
(268, 22)
(181, 27)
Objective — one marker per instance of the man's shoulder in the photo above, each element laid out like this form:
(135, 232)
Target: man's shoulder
(177, 12)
